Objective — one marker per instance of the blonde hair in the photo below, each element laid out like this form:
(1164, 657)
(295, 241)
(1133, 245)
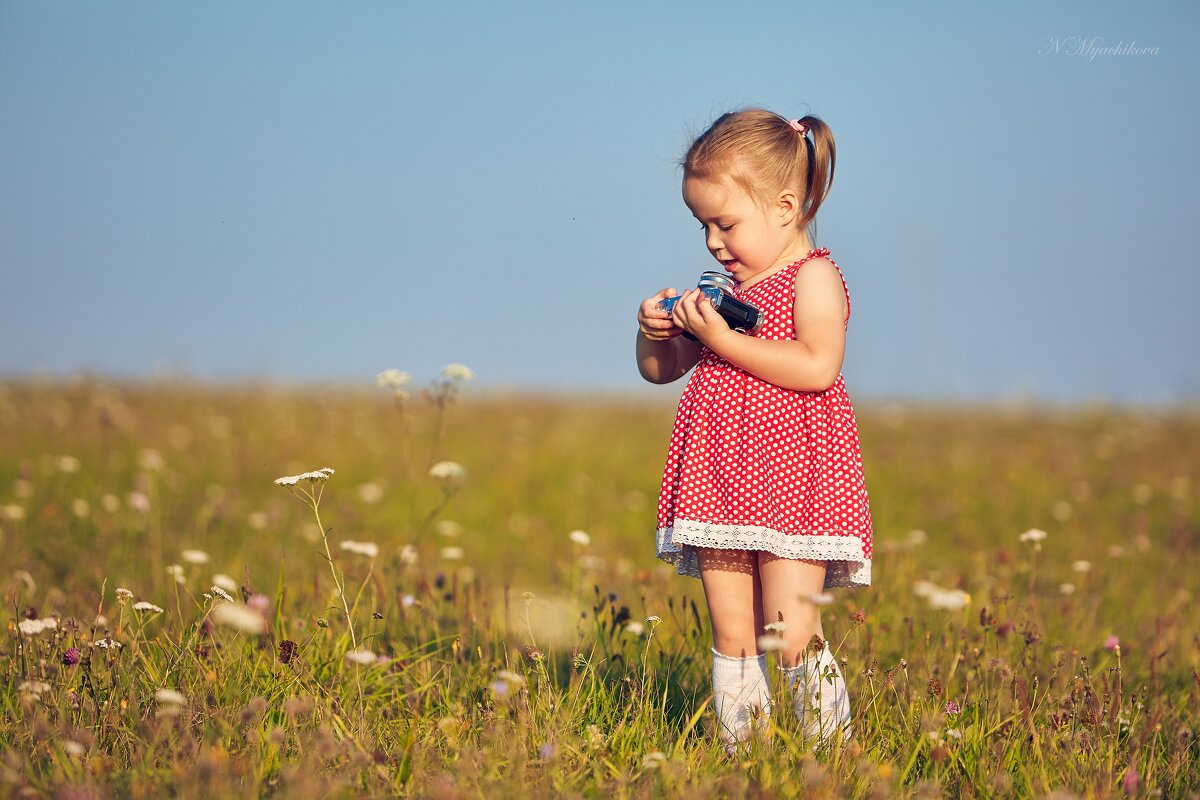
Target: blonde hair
(761, 152)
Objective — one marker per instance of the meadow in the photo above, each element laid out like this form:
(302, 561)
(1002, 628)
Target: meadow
(467, 603)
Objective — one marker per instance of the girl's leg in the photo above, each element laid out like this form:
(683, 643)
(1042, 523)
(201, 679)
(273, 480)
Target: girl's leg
(741, 690)
(818, 690)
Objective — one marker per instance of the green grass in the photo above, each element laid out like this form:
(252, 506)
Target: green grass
(510, 670)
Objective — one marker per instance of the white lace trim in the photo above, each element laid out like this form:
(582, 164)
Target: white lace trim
(844, 553)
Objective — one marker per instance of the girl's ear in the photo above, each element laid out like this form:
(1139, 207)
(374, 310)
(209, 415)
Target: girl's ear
(787, 207)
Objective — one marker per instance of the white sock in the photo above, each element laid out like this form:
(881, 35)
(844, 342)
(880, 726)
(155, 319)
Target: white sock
(741, 695)
(819, 695)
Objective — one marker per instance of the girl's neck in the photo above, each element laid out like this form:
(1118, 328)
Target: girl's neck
(797, 249)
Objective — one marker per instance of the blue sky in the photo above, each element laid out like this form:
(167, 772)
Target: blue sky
(319, 191)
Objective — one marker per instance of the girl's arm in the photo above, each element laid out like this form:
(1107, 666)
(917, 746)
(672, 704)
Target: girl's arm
(811, 362)
(663, 355)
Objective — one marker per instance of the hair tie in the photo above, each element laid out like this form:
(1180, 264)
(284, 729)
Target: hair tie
(798, 126)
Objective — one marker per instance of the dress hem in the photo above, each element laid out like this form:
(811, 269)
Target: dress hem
(846, 565)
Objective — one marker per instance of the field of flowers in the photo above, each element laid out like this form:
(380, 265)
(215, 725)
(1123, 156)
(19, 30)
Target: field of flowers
(417, 592)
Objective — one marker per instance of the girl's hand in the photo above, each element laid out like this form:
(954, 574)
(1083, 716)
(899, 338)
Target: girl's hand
(695, 314)
(654, 323)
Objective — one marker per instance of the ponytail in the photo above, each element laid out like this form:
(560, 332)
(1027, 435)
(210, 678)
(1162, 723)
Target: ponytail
(765, 154)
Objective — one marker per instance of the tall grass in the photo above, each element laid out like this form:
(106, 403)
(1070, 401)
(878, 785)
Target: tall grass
(495, 654)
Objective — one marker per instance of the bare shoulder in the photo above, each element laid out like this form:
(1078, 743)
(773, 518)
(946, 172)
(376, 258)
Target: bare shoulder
(819, 284)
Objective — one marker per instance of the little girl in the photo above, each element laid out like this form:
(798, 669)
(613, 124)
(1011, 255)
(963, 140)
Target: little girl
(763, 496)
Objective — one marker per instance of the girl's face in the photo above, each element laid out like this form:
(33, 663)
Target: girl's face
(748, 238)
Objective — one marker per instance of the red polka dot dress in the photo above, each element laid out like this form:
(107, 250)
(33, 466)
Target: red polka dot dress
(754, 466)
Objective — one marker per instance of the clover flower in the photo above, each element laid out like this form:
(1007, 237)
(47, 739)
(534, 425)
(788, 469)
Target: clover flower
(71, 656)
(952, 707)
(316, 476)
(287, 651)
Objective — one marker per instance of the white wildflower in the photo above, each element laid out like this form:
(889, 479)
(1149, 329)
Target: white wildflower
(654, 760)
(510, 677)
(239, 617)
(1066, 588)
(33, 688)
(100, 621)
(457, 372)
(580, 538)
(221, 593)
(949, 599)
(635, 629)
(449, 471)
(176, 571)
(408, 600)
(452, 553)
(392, 379)
(1081, 566)
(770, 643)
(591, 563)
(144, 606)
(316, 476)
(32, 627)
(151, 460)
(820, 598)
(170, 697)
(954, 733)
(653, 619)
(257, 520)
(225, 582)
(361, 656)
(1033, 535)
(194, 556)
(370, 493)
(916, 537)
(409, 555)
(110, 503)
(67, 464)
(448, 528)
(368, 549)
(138, 501)
(80, 507)
(924, 588)
(74, 748)
(12, 512)
(775, 627)
(107, 644)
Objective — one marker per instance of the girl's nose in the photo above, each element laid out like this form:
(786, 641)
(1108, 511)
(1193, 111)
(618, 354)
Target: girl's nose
(713, 240)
